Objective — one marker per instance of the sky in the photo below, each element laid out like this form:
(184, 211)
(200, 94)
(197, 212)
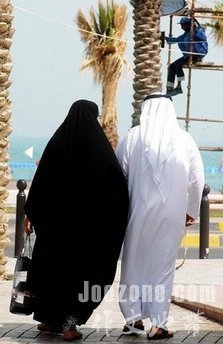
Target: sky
(46, 79)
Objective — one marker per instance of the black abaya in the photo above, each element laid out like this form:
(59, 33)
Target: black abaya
(78, 205)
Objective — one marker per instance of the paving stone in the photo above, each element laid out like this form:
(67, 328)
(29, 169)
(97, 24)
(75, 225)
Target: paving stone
(106, 323)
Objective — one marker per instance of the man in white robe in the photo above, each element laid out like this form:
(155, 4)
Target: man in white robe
(165, 174)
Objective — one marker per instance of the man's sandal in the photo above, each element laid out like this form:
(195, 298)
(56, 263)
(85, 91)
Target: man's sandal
(160, 333)
(133, 329)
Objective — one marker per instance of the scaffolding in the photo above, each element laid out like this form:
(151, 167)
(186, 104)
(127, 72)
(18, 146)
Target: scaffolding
(207, 13)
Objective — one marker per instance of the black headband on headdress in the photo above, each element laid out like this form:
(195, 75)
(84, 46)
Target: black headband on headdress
(151, 96)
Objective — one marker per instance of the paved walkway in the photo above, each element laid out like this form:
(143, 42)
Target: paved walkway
(198, 284)
(196, 313)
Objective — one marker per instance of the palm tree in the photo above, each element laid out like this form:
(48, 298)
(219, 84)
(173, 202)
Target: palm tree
(6, 33)
(216, 25)
(105, 47)
(147, 48)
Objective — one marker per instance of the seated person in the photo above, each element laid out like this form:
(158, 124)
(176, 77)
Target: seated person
(199, 50)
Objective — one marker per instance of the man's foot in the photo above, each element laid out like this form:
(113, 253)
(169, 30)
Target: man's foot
(135, 328)
(159, 333)
(169, 89)
(175, 91)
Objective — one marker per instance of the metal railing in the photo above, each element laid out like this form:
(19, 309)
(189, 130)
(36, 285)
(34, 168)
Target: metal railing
(204, 224)
(20, 216)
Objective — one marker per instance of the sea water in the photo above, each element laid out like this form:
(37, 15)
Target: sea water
(25, 152)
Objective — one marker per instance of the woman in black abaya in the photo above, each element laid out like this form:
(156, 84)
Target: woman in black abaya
(78, 207)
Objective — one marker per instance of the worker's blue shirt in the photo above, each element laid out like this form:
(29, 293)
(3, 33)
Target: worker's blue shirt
(199, 45)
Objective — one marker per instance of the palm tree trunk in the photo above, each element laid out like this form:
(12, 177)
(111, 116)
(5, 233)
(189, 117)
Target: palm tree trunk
(113, 67)
(146, 15)
(6, 33)
(109, 113)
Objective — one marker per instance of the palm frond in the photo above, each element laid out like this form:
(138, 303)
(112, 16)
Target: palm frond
(94, 21)
(217, 24)
(87, 63)
(120, 20)
(84, 26)
(102, 17)
(110, 16)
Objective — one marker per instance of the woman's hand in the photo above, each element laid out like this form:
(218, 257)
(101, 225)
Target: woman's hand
(28, 228)
(189, 220)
